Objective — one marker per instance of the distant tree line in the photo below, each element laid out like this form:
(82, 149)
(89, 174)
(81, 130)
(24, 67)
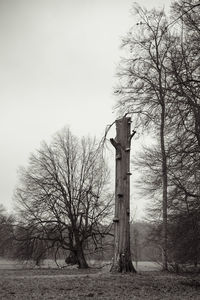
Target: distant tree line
(20, 242)
(159, 85)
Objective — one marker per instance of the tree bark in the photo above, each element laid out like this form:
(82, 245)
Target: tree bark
(164, 195)
(122, 255)
(71, 259)
(77, 257)
(82, 263)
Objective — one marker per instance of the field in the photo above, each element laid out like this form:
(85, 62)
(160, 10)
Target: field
(69, 283)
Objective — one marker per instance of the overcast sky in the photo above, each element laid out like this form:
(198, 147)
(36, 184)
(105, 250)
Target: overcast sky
(57, 67)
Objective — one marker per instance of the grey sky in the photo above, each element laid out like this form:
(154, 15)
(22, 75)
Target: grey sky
(57, 68)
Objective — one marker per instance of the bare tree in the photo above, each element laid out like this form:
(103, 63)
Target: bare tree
(64, 194)
(160, 85)
(144, 84)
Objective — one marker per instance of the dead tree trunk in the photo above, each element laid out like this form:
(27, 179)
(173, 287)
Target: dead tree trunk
(122, 255)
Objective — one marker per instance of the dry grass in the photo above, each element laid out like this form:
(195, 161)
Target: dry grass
(95, 284)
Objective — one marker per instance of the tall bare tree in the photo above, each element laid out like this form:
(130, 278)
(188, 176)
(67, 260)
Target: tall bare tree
(144, 84)
(63, 194)
(160, 85)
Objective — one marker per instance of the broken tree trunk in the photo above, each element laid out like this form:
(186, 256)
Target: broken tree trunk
(122, 254)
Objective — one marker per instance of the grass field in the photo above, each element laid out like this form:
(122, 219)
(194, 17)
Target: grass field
(49, 263)
(73, 284)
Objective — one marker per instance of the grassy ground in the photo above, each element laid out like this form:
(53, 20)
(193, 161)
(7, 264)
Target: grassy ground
(50, 263)
(95, 284)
